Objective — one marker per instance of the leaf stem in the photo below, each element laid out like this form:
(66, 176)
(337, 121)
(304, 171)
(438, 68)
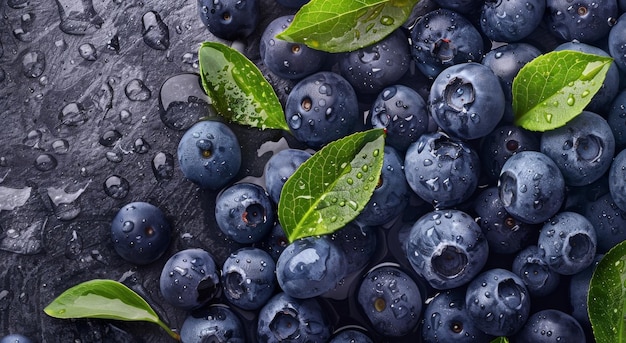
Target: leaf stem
(169, 331)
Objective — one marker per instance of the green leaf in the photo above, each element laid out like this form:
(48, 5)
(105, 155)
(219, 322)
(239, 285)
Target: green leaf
(555, 87)
(340, 26)
(237, 88)
(606, 301)
(104, 299)
(331, 188)
(500, 340)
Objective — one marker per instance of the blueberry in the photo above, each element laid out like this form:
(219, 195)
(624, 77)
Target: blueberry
(244, 212)
(310, 266)
(531, 187)
(189, 279)
(579, 292)
(617, 42)
(466, 100)
(209, 154)
(275, 242)
(15, 338)
(280, 167)
(447, 248)
(229, 19)
(610, 86)
(531, 266)
(445, 319)
(582, 20)
(616, 118)
(321, 108)
(288, 319)
(460, 6)
(497, 302)
(510, 21)
(505, 234)
(350, 336)
(286, 59)
(502, 143)
(248, 278)
(372, 68)
(215, 323)
(442, 38)
(608, 220)
(548, 326)
(391, 194)
(506, 61)
(568, 243)
(391, 301)
(140, 233)
(441, 170)
(403, 113)
(358, 244)
(617, 180)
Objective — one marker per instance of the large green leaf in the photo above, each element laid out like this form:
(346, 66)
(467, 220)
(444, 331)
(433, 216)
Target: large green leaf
(554, 88)
(331, 188)
(606, 302)
(339, 26)
(237, 88)
(104, 299)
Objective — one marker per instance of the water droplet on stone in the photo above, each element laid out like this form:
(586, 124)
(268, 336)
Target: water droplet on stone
(136, 90)
(116, 187)
(45, 162)
(88, 52)
(155, 32)
(33, 64)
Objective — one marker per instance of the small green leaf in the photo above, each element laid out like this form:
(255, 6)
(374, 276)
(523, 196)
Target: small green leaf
(340, 26)
(331, 188)
(237, 88)
(555, 87)
(606, 302)
(104, 299)
(500, 340)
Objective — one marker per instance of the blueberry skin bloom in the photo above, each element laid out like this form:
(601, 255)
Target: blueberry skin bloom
(447, 248)
(321, 108)
(248, 278)
(209, 154)
(531, 187)
(189, 279)
(568, 242)
(229, 19)
(140, 233)
(213, 324)
(547, 326)
(280, 167)
(441, 170)
(466, 100)
(351, 336)
(286, 59)
(403, 113)
(442, 38)
(374, 67)
(608, 220)
(510, 20)
(309, 267)
(497, 301)
(391, 301)
(445, 319)
(288, 319)
(584, 148)
(531, 266)
(244, 212)
(617, 180)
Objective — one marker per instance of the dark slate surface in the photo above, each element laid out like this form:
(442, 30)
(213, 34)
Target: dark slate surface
(81, 136)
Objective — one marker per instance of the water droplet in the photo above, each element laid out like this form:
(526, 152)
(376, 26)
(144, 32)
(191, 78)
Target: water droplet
(45, 162)
(33, 64)
(116, 187)
(548, 117)
(295, 122)
(155, 32)
(128, 226)
(386, 20)
(136, 90)
(570, 100)
(163, 166)
(109, 138)
(585, 94)
(140, 146)
(78, 18)
(428, 162)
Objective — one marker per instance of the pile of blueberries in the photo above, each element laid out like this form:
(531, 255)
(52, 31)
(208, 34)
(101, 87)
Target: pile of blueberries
(497, 229)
